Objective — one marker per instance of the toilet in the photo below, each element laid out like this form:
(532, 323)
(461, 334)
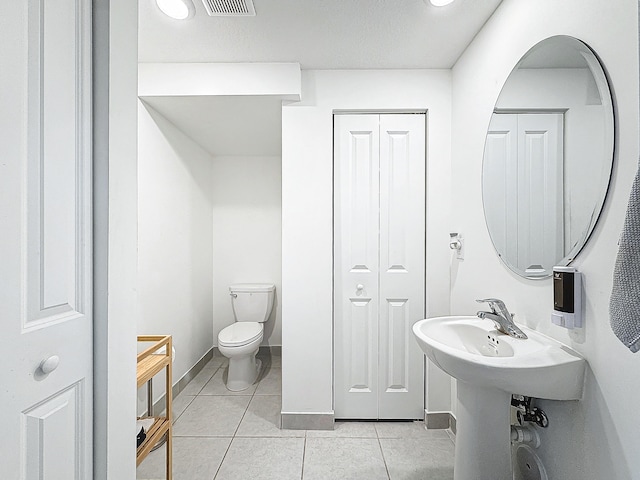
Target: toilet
(239, 342)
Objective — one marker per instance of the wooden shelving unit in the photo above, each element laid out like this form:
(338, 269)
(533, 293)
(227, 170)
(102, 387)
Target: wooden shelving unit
(151, 362)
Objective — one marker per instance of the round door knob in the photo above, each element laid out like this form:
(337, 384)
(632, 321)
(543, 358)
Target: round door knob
(359, 287)
(50, 364)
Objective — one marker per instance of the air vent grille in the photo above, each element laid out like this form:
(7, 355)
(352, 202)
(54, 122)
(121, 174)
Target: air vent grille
(229, 8)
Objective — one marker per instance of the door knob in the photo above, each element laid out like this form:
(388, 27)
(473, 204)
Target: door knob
(50, 364)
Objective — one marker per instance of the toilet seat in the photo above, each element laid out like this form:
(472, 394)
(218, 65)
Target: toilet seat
(239, 334)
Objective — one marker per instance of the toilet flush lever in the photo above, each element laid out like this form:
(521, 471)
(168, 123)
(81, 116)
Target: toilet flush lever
(234, 295)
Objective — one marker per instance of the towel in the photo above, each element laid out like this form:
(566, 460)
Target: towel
(624, 307)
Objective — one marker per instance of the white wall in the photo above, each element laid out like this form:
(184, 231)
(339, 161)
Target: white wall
(597, 437)
(175, 232)
(307, 184)
(247, 238)
(114, 62)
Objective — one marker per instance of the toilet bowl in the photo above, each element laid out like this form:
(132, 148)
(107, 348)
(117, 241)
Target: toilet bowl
(240, 346)
(240, 341)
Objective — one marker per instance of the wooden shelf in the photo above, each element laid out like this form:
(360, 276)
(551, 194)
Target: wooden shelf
(152, 361)
(150, 366)
(154, 435)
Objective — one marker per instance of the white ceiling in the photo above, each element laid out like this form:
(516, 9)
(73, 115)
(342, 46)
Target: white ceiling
(224, 126)
(319, 34)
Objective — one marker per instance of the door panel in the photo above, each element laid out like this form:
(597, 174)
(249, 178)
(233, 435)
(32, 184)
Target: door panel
(45, 249)
(53, 446)
(361, 337)
(379, 203)
(356, 264)
(395, 377)
(402, 260)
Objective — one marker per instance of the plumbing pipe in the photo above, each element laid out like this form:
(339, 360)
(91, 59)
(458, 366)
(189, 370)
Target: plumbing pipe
(525, 434)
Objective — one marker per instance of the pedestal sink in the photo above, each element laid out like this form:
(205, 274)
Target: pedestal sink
(491, 366)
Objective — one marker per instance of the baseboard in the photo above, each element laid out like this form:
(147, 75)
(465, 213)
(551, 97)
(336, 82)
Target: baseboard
(160, 404)
(440, 420)
(191, 373)
(274, 350)
(307, 421)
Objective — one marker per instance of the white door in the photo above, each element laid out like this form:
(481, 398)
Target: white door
(45, 241)
(524, 158)
(379, 245)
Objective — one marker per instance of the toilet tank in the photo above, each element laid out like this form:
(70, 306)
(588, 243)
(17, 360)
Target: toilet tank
(252, 302)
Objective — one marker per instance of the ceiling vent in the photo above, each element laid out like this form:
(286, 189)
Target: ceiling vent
(230, 8)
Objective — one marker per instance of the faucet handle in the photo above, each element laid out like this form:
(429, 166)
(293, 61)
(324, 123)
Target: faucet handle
(489, 300)
(495, 303)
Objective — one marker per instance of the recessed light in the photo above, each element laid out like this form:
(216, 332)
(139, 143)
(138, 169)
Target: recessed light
(177, 9)
(440, 3)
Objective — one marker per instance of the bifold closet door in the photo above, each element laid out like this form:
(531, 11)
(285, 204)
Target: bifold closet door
(356, 227)
(379, 244)
(46, 245)
(402, 265)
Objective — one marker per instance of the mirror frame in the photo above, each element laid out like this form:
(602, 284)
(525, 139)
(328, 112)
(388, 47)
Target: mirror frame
(603, 84)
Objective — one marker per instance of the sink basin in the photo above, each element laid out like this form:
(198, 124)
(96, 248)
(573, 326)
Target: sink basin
(472, 350)
(490, 366)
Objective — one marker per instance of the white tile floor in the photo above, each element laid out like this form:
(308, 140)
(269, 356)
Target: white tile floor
(223, 435)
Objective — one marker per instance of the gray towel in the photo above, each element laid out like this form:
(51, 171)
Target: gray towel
(624, 307)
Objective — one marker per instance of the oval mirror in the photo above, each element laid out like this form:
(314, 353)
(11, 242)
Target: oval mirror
(548, 157)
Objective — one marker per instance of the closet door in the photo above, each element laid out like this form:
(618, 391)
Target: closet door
(356, 226)
(379, 244)
(402, 265)
(46, 277)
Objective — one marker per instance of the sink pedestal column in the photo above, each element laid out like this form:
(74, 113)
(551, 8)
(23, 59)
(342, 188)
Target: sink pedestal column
(483, 438)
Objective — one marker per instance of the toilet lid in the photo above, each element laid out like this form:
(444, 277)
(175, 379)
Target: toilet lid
(239, 334)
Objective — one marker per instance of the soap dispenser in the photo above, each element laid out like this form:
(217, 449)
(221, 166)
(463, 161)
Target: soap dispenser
(567, 297)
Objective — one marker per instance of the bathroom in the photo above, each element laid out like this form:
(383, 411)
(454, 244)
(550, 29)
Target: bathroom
(459, 102)
(181, 212)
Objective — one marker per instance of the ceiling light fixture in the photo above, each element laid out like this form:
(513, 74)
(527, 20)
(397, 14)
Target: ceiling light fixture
(440, 3)
(177, 9)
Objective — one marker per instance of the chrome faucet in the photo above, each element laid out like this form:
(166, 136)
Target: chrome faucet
(501, 318)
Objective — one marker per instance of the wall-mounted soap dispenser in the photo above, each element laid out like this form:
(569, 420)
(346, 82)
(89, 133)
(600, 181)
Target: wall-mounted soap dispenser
(567, 297)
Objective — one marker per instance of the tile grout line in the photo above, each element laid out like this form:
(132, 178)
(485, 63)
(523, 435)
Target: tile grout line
(304, 453)
(207, 382)
(223, 458)
(384, 459)
(233, 437)
(194, 396)
(386, 467)
(183, 410)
